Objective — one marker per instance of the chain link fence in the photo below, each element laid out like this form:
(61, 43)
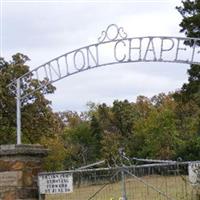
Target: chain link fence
(162, 181)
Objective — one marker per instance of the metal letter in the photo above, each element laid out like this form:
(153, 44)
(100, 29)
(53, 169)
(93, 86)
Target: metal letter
(163, 49)
(51, 68)
(67, 66)
(194, 50)
(94, 58)
(83, 56)
(115, 54)
(148, 49)
(177, 50)
(45, 70)
(131, 48)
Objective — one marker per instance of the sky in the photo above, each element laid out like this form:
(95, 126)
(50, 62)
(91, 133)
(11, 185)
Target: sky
(46, 29)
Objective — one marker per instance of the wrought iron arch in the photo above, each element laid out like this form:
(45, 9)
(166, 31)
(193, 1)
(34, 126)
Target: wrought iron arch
(124, 49)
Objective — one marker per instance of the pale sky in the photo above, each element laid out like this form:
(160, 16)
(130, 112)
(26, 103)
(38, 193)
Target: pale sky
(46, 29)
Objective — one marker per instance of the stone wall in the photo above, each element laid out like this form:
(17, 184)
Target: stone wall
(19, 167)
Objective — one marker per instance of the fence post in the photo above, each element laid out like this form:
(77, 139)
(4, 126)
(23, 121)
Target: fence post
(123, 185)
(121, 153)
(18, 105)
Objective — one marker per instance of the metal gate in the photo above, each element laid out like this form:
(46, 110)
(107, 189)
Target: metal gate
(162, 181)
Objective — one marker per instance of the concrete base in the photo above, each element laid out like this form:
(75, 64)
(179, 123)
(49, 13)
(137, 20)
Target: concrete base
(19, 167)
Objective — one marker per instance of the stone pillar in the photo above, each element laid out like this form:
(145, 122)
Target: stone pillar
(19, 166)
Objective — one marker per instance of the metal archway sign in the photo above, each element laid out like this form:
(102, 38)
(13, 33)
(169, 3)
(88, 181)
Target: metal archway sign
(113, 47)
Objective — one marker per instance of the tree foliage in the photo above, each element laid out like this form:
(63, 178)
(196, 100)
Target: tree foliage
(38, 118)
(190, 25)
(159, 127)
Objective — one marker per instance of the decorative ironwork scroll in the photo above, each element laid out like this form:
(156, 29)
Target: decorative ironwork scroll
(112, 32)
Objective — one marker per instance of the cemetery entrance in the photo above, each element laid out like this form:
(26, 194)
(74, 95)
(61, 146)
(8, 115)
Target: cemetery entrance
(165, 180)
(160, 181)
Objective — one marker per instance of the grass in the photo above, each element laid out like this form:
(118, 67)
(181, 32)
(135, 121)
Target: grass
(175, 187)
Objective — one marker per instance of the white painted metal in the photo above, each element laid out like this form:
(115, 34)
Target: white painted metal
(124, 48)
(18, 100)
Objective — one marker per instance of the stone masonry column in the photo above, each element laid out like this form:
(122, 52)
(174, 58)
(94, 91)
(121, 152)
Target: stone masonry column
(19, 166)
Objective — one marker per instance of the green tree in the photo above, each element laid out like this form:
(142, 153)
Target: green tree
(80, 144)
(97, 133)
(190, 11)
(111, 142)
(157, 132)
(188, 97)
(38, 118)
(123, 117)
(188, 124)
(57, 153)
(112, 124)
(143, 107)
(190, 25)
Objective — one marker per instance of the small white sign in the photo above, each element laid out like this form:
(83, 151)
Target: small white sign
(194, 173)
(55, 183)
